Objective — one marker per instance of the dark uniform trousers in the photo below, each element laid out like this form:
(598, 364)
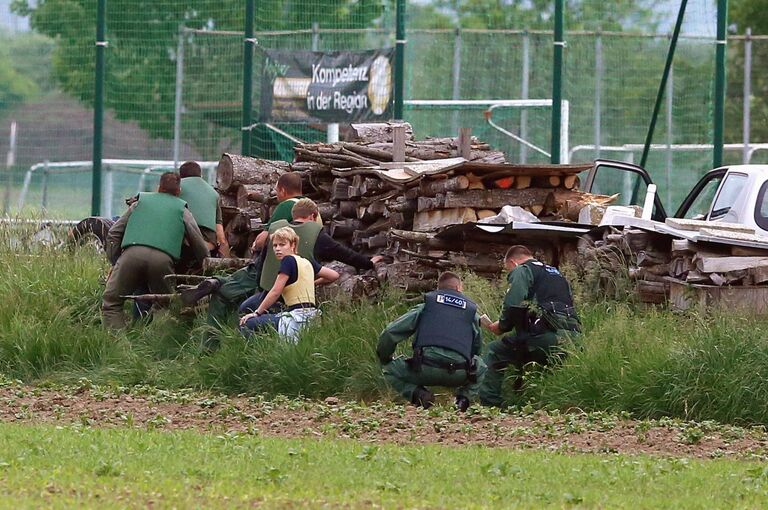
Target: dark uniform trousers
(137, 266)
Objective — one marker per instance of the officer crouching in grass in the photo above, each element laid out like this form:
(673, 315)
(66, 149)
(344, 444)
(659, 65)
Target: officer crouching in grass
(445, 350)
(539, 334)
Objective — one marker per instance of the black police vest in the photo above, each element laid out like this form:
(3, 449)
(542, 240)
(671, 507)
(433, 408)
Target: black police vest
(447, 321)
(550, 289)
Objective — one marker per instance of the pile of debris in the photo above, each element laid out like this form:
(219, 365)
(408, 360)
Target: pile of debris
(386, 192)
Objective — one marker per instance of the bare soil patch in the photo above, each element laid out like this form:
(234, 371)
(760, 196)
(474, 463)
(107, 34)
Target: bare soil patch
(152, 409)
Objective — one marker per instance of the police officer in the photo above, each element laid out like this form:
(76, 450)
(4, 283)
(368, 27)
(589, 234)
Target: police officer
(203, 202)
(537, 334)
(445, 350)
(144, 243)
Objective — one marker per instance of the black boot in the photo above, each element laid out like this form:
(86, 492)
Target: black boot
(462, 403)
(422, 397)
(191, 296)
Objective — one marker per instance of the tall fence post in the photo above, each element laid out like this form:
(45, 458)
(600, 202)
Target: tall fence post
(557, 82)
(98, 107)
(663, 83)
(44, 201)
(399, 58)
(456, 72)
(525, 81)
(599, 71)
(720, 63)
(747, 105)
(248, 45)
(670, 93)
(178, 99)
(10, 161)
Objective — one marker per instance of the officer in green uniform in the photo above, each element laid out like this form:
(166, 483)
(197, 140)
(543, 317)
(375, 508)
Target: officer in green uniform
(144, 243)
(203, 202)
(538, 334)
(445, 350)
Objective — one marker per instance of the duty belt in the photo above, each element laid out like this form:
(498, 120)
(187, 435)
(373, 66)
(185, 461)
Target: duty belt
(450, 366)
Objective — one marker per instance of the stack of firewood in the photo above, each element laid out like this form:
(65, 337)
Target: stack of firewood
(389, 193)
(716, 254)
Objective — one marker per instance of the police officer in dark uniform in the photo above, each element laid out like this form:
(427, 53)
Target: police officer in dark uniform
(539, 332)
(445, 350)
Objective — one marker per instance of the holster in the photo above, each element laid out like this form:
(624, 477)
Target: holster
(415, 362)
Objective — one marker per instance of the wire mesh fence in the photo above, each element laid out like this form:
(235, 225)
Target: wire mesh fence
(174, 83)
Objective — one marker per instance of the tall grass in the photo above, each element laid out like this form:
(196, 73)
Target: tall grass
(647, 362)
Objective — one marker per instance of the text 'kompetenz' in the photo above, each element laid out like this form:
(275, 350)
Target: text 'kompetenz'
(338, 74)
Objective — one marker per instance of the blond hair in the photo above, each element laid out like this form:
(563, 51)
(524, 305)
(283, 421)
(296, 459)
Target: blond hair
(285, 234)
(304, 208)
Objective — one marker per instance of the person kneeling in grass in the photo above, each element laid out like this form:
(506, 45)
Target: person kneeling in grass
(295, 282)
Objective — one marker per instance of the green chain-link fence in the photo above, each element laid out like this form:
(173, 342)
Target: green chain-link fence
(174, 81)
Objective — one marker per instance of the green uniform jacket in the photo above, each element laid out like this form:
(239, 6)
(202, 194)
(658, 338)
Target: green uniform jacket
(190, 231)
(403, 327)
(521, 290)
(202, 200)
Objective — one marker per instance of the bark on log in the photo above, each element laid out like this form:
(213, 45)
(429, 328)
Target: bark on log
(491, 199)
(211, 265)
(235, 169)
(246, 193)
(344, 228)
(159, 299)
(430, 188)
(379, 132)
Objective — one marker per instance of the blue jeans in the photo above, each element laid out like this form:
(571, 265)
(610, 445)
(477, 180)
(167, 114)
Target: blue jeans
(260, 323)
(252, 303)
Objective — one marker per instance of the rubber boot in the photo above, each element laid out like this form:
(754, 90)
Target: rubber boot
(461, 404)
(422, 397)
(191, 296)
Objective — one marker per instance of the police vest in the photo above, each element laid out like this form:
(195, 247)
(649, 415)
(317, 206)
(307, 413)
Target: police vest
(157, 221)
(303, 289)
(447, 321)
(307, 232)
(202, 201)
(550, 289)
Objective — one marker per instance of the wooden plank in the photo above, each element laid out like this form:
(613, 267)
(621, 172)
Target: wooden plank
(726, 264)
(696, 225)
(744, 299)
(431, 220)
(398, 144)
(465, 143)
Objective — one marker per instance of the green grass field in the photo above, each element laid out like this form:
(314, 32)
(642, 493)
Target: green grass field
(650, 363)
(66, 467)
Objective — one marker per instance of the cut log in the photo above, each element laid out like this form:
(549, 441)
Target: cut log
(493, 199)
(758, 275)
(348, 209)
(652, 292)
(211, 265)
(431, 220)
(485, 213)
(379, 132)
(553, 181)
(522, 181)
(252, 193)
(180, 279)
(571, 181)
(155, 299)
(430, 188)
(344, 228)
(340, 190)
(234, 169)
(537, 209)
(393, 221)
(421, 238)
(227, 200)
(650, 258)
(568, 203)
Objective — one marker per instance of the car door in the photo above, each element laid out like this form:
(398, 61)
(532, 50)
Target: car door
(629, 181)
(698, 202)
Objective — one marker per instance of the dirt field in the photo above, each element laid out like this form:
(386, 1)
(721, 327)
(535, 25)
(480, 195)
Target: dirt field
(379, 422)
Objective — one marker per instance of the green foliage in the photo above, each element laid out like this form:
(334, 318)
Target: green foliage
(77, 466)
(655, 363)
(24, 67)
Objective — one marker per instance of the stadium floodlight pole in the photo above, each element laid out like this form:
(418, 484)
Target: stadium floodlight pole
(557, 82)
(98, 107)
(399, 58)
(248, 45)
(663, 83)
(722, 19)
